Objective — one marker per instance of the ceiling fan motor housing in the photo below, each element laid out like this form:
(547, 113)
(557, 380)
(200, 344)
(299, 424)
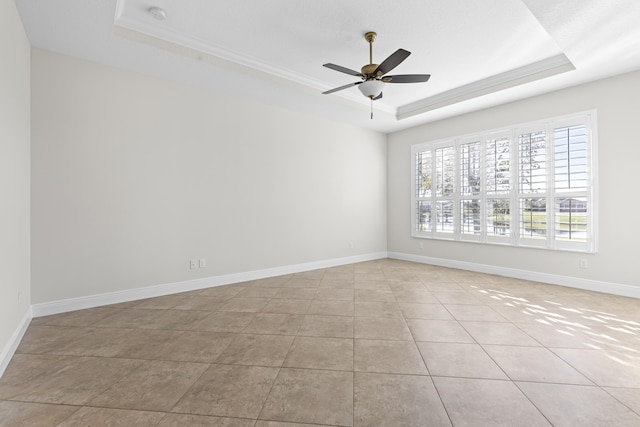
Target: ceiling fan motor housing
(369, 70)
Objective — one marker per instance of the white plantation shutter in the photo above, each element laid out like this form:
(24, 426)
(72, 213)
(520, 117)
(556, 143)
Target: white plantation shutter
(471, 189)
(532, 161)
(444, 216)
(445, 165)
(422, 194)
(498, 163)
(571, 198)
(533, 220)
(570, 158)
(445, 162)
(532, 180)
(498, 218)
(470, 169)
(530, 185)
(498, 153)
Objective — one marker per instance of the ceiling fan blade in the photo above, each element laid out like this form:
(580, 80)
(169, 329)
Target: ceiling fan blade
(378, 97)
(343, 69)
(392, 61)
(407, 78)
(341, 88)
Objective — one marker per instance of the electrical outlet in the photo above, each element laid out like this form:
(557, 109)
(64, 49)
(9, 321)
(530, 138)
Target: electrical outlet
(202, 263)
(193, 264)
(421, 245)
(351, 245)
(584, 263)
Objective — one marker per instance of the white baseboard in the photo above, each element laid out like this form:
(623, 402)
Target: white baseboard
(10, 348)
(573, 282)
(63, 306)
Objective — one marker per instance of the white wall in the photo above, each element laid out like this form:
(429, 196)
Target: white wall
(14, 178)
(617, 101)
(133, 176)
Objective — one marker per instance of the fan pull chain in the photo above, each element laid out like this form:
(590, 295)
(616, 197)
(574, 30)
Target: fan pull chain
(371, 107)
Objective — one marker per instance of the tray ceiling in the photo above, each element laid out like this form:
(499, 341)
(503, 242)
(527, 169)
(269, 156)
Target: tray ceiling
(479, 54)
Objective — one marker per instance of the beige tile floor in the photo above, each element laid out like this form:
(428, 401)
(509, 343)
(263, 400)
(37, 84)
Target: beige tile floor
(381, 343)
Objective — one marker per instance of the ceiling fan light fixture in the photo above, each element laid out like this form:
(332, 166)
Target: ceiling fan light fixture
(371, 88)
(373, 75)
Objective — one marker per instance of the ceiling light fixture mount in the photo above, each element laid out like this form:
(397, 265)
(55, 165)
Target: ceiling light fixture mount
(157, 13)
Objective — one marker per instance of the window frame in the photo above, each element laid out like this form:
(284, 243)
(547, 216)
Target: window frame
(514, 197)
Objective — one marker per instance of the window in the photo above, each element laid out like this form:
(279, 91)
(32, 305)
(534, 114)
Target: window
(529, 185)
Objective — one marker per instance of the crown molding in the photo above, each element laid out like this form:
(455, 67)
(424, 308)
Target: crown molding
(193, 47)
(518, 76)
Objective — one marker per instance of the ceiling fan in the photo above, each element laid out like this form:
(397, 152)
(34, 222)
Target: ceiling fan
(373, 75)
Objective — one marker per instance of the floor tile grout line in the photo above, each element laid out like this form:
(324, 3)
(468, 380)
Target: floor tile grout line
(167, 413)
(605, 389)
(266, 399)
(435, 387)
(532, 403)
(584, 374)
(548, 349)
(353, 380)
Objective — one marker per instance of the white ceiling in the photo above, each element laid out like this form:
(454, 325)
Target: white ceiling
(479, 54)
